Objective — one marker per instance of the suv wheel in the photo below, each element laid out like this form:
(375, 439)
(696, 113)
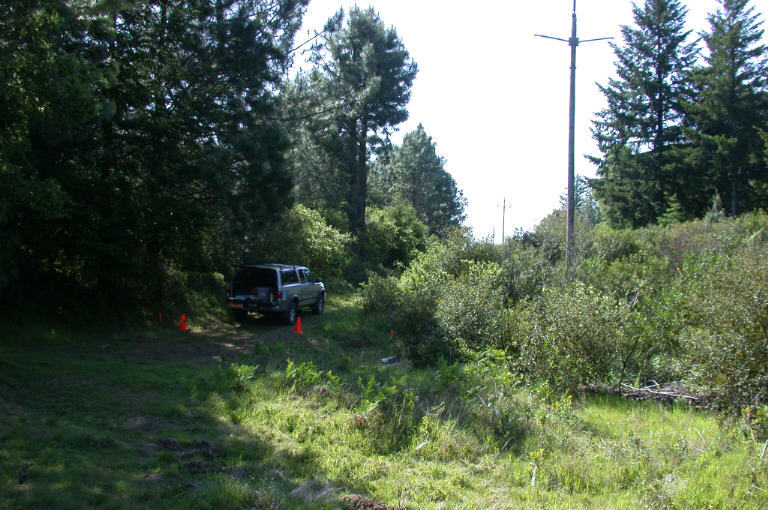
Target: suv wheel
(291, 314)
(319, 306)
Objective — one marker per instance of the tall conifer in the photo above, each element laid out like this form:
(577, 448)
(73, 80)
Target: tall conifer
(643, 119)
(367, 70)
(731, 108)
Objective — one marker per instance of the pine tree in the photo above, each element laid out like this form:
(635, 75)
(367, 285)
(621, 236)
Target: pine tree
(146, 131)
(415, 173)
(730, 108)
(644, 117)
(367, 71)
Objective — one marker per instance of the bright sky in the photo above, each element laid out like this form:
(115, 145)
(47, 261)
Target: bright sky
(494, 98)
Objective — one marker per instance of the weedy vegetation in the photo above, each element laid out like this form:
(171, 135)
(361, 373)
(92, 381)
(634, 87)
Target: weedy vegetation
(259, 417)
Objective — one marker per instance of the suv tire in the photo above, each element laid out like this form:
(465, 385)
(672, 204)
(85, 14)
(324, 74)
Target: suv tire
(291, 314)
(319, 305)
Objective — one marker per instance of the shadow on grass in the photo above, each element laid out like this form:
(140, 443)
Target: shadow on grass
(80, 431)
(146, 418)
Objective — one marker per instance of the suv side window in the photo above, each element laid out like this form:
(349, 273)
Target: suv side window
(289, 276)
(302, 277)
(307, 275)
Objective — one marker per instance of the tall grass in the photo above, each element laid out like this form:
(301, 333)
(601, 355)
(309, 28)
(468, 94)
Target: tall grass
(305, 421)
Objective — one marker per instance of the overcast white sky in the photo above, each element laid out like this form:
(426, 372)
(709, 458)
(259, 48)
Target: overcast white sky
(494, 98)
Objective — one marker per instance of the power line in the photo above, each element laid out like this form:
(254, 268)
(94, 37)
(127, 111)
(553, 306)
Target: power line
(573, 42)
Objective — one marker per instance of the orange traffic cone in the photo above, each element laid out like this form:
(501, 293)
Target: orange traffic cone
(183, 322)
(297, 329)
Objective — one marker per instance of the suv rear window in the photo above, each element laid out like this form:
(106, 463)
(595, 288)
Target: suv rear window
(255, 277)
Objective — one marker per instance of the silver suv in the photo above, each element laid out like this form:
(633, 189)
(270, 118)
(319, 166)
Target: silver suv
(274, 289)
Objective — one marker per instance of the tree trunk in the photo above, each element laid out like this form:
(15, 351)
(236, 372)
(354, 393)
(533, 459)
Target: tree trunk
(360, 181)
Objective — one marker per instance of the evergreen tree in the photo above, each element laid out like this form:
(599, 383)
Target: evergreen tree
(49, 112)
(415, 173)
(151, 127)
(730, 108)
(644, 117)
(318, 158)
(365, 69)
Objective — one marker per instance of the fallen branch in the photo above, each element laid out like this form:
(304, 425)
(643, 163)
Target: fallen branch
(655, 391)
(665, 393)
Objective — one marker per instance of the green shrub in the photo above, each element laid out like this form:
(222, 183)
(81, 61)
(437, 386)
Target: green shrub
(569, 337)
(702, 237)
(303, 237)
(632, 278)
(725, 338)
(609, 244)
(393, 236)
(380, 294)
(526, 271)
(470, 308)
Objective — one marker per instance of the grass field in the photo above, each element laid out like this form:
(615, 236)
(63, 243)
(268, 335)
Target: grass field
(256, 416)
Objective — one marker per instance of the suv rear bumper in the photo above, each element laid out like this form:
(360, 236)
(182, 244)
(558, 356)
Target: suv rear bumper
(252, 305)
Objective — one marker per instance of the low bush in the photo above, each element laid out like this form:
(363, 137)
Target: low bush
(569, 337)
(408, 304)
(725, 338)
(470, 308)
(526, 271)
(683, 303)
(393, 236)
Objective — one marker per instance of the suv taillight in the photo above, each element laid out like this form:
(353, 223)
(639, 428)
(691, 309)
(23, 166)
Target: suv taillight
(276, 295)
(228, 290)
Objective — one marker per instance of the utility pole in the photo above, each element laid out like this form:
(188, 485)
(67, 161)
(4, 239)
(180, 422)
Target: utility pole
(573, 42)
(503, 217)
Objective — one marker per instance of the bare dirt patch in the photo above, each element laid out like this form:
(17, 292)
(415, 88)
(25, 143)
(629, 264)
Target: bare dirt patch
(198, 346)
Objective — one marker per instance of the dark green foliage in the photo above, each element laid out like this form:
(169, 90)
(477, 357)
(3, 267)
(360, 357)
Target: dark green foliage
(393, 236)
(358, 91)
(415, 173)
(674, 135)
(48, 111)
(303, 237)
(643, 120)
(145, 133)
(731, 107)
